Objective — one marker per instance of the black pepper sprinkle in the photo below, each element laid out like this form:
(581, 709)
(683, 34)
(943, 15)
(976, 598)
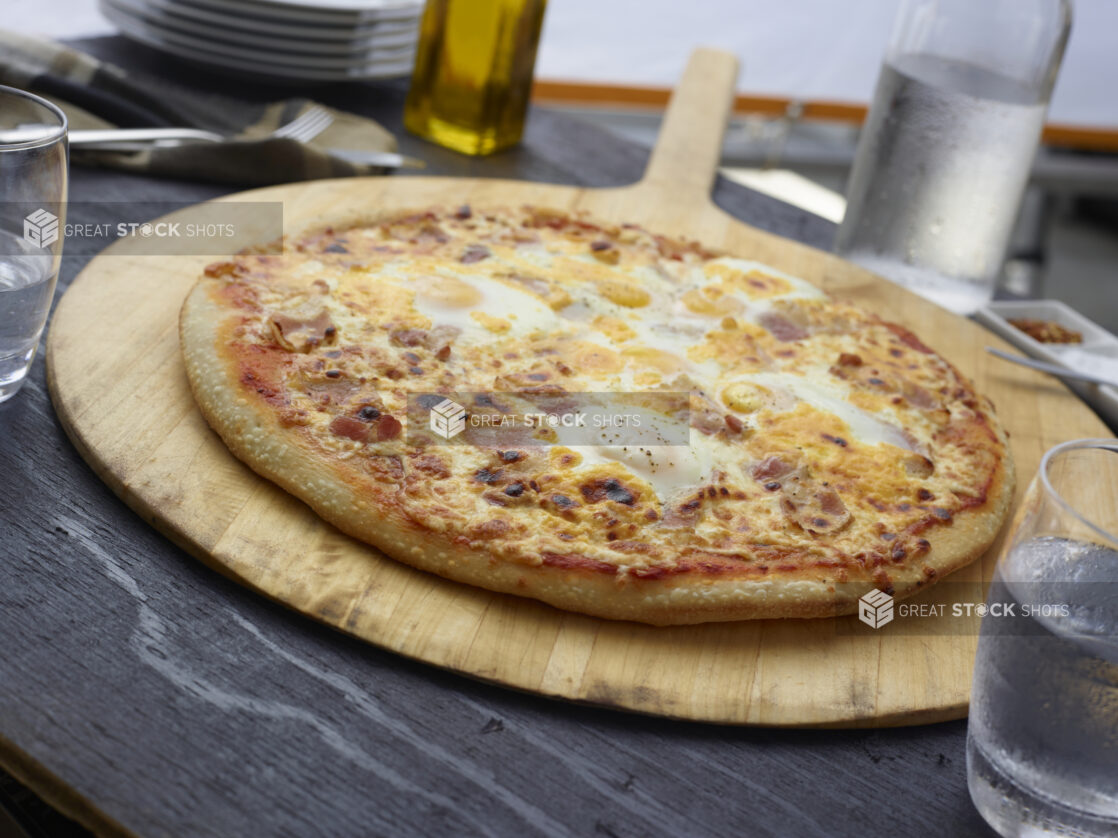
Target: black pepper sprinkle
(773, 486)
(368, 413)
(333, 373)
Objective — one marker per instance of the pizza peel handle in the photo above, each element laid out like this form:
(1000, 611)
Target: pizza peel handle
(687, 152)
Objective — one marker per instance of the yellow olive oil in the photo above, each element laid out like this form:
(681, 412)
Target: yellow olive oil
(473, 72)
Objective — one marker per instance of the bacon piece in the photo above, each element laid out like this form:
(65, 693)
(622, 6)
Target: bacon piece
(918, 396)
(820, 511)
(439, 339)
(782, 328)
(474, 253)
(908, 338)
(302, 334)
(708, 421)
(407, 337)
(350, 428)
(830, 502)
(771, 468)
(388, 427)
(803, 501)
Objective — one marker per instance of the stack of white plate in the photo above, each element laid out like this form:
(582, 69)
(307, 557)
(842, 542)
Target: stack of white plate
(312, 40)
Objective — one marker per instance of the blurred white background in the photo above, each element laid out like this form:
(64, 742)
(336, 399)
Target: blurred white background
(808, 49)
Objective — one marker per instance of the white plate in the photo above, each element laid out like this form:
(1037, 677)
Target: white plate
(250, 67)
(397, 60)
(228, 16)
(401, 38)
(309, 12)
(1098, 344)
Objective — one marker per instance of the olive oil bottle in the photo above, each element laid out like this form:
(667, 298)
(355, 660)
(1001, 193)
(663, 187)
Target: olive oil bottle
(473, 73)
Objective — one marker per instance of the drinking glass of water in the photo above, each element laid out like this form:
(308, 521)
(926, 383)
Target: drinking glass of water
(946, 151)
(1042, 741)
(33, 180)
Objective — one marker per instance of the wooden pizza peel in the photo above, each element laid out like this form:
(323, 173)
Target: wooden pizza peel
(123, 398)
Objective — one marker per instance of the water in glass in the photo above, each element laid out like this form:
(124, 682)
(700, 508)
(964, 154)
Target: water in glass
(26, 287)
(1042, 749)
(940, 170)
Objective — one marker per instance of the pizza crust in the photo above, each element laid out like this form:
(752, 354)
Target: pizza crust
(367, 510)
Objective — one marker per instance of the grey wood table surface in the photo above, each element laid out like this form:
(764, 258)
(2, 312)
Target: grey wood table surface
(142, 693)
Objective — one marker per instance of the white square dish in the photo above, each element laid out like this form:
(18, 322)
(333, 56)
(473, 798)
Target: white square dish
(1098, 347)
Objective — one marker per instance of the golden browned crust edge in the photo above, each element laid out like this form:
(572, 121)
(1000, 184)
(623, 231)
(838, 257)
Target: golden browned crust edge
(252, 432)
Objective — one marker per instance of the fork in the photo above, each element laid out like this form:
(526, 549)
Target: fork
(303, 128)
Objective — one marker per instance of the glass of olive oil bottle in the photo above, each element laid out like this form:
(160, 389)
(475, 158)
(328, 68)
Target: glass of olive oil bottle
(473, 72)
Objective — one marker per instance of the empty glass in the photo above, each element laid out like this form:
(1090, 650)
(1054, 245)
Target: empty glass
(33, 180)
(1042, 743)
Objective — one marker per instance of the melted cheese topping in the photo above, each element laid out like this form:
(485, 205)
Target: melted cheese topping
(816, 428)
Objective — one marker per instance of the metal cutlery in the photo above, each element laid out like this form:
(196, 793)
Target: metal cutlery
(303, 128)
(1052, 369)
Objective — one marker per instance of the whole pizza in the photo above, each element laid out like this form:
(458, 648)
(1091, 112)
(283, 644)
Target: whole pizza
(757, 448)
